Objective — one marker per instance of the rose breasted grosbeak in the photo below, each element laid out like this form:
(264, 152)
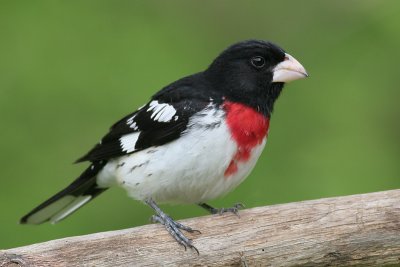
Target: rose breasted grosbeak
(197, 139)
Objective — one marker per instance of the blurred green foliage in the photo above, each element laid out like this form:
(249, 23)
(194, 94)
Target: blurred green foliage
(69, 69)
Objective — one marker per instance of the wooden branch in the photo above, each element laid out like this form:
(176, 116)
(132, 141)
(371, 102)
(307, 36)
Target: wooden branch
(358, 230)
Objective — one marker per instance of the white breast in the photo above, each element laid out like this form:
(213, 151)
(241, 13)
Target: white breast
(188, 170)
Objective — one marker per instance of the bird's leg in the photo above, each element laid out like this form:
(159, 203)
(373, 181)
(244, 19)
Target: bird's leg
(235, 209)
(174, 228)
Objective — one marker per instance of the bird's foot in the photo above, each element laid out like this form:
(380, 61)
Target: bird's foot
(174, 228)
(235, 209)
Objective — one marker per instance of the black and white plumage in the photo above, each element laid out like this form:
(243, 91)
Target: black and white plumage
(195, 140)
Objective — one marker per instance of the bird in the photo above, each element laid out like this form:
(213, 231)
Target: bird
(195, 140)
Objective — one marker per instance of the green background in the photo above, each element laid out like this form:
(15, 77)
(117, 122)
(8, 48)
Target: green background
(69, 69)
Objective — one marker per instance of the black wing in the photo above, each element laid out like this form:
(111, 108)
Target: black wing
(155, 124)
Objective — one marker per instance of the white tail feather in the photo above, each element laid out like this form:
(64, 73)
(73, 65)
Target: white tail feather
(49, 211)
(70, 208)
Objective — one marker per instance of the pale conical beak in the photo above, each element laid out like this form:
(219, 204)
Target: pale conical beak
(288, 70)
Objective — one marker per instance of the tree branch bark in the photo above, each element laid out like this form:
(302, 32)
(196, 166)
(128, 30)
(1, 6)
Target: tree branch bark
(358, 230)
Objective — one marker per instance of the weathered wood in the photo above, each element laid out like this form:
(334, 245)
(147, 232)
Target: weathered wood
(358, 230)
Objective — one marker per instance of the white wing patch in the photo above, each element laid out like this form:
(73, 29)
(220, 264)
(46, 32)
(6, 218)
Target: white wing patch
(161, 112)
(132, 124)
(130, 120)
(128, 142)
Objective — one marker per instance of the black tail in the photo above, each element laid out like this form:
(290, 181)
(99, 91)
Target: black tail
(65, 202)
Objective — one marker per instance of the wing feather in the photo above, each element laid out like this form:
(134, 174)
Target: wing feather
(154, 124)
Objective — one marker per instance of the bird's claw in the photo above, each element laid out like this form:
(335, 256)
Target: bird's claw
(174, 229)
(235, 209)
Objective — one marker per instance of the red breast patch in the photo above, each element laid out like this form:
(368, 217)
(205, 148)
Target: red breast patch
(248, 128)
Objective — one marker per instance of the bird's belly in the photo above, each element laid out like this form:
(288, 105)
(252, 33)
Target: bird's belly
(191, 170)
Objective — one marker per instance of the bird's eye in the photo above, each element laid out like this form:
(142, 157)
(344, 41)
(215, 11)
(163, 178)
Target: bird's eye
(258, 62)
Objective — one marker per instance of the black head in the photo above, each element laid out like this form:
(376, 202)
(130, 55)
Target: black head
(253, 72)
